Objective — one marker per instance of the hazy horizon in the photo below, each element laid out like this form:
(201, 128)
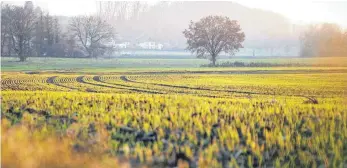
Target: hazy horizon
(298, 12)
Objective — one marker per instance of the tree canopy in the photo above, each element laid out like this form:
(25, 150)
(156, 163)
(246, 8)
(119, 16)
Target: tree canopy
(212, 35)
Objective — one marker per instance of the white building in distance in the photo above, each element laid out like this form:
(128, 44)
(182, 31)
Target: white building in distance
(150, 45)
(123, 45)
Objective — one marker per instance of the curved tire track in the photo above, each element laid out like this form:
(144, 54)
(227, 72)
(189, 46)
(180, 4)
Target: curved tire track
(97, 78)
(80, 80)
(50, 80)
(124, 78)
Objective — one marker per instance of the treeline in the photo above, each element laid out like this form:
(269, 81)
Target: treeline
(135, 22)
(30, 31)
(254, 64)
(324, 40)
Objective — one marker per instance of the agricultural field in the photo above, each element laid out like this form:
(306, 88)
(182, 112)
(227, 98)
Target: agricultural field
(150, 63)
(155, 84)
(209, 117)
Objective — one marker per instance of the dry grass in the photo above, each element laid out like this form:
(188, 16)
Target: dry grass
(23, 148)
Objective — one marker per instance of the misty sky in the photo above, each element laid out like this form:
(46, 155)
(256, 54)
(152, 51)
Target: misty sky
(303, 11)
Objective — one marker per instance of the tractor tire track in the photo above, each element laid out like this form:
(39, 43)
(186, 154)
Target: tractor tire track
(50, 80)
(98, 79)
(80, 79)
(124, 78)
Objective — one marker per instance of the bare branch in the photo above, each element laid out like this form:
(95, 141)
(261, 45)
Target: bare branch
(93, 33)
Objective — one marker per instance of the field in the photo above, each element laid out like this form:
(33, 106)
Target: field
(150, 63)
(167, 117)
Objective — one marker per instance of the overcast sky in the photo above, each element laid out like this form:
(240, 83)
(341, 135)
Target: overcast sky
(304, 10)
(299, 11)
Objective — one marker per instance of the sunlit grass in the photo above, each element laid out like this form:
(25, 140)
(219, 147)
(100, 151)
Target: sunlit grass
(290, 120)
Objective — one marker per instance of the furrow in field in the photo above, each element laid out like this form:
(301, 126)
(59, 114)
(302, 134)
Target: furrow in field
(180, 90)
(107, 85)
(98, 79)
(125, 79)
(52, 80)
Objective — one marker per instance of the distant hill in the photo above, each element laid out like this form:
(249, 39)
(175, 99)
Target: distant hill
(165, 22)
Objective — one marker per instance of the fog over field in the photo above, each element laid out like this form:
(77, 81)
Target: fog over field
(270, 31)
(163, 22)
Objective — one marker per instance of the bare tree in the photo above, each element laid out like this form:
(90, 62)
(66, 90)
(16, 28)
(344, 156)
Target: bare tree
(309, 41)
(28, 31)
(71, 45)
(212, 35)
(136, 10)
(93, 33)
(21, 28)
(48, 24)
(118, 12)
(56, 30)
(38, 36)
(323, 40)
(5, 29)
(113, 11)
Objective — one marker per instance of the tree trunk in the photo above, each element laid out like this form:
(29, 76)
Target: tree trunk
(91, 55)
(21, 48)
(214, 60)
(9, 47)
(2, 46)
(22, 58)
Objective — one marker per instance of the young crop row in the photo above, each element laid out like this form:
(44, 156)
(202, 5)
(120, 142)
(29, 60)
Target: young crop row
(26, 82)
(212, 85)
(318, 85)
